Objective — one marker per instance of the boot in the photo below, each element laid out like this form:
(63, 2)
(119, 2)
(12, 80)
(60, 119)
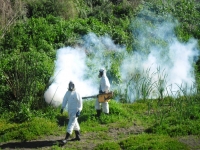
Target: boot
(77, 138)
(66, 138)
(98, 113)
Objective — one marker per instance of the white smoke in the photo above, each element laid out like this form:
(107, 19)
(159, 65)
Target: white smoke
(157, 49)
(73, 64)
(69, 66)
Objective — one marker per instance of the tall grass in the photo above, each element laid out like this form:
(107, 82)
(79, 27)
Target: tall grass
(163, 103)
(160, 125)
(145, 85)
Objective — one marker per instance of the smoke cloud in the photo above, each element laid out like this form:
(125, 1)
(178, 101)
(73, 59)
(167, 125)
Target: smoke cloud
(158, 59)
(165, 64)
(69, 66)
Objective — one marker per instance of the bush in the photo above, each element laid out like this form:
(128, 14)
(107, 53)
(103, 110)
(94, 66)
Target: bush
(25, 76)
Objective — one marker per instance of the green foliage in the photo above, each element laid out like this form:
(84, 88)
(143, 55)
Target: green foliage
(188, 15)
(175, 116)
(25, 75)
(27, 130)
(36, 33)
(143, 86)
(113, 14)
(90, 123)
(108, 146)
(119, 9)
(23, 113)
(175, 128)
(46, 34)
(185, 11)
(121, 116)
(150, 141)
(43, 8)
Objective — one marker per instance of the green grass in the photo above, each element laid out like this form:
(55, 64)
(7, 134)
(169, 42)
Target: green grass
(151, 141)
(162, 124)
(29, 130)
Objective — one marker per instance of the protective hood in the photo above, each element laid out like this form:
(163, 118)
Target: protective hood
(71, 86)
(102, 72)
(104, 82)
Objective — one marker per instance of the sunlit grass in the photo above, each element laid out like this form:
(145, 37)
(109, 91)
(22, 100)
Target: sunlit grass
(151, 141)
(28, 130)
(162, 122)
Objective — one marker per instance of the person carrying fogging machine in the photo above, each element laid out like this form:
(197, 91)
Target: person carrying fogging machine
(75, 105)
(103, 88)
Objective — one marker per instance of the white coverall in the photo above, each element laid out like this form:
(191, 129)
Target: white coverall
(74, 101)
(104, 87)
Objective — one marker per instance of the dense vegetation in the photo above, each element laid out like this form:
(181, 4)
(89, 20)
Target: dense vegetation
(32, 31)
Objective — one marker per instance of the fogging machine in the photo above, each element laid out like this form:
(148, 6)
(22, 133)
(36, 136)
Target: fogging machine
(104, 97)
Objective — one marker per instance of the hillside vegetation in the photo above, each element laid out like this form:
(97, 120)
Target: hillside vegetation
(31, 32)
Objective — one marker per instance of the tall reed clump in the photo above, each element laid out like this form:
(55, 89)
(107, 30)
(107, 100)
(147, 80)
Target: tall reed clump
(145, 85)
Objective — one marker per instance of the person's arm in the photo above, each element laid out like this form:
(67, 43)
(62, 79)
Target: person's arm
(105, 85)
(64, 102)
(65, 99)
(80, 103)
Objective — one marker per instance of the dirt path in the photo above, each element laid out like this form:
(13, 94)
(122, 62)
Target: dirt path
(192, 141)
(89, 140)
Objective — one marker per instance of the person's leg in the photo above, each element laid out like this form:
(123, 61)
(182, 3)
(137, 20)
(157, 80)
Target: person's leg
(70, 126)
(66, 138)
(77, 130)
(98, 108)
(72, 122)
(77, 136)
(105, 107)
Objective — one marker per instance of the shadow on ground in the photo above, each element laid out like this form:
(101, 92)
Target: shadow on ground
(32, 144)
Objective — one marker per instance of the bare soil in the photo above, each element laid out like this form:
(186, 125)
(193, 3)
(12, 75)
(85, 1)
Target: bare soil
(89, 140)
(192, 141)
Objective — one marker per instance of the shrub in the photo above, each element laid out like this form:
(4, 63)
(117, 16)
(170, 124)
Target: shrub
(25, 76)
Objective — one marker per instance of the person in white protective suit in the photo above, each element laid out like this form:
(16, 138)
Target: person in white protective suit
(103, 88)
(75, 105)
